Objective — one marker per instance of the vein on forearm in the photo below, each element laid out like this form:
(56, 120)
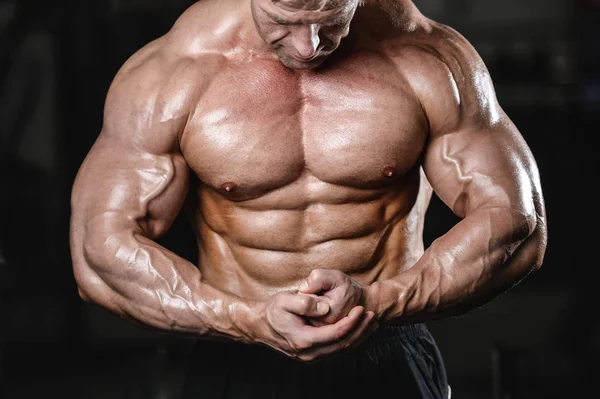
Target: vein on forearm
(467, 264)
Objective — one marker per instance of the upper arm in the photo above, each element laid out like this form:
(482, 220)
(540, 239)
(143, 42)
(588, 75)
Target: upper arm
(134, 179)
(475, 158)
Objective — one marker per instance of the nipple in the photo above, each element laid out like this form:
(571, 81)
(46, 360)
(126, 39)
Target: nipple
(388, 172)
(228, 187)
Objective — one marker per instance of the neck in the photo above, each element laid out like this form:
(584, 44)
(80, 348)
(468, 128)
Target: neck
(247, 32)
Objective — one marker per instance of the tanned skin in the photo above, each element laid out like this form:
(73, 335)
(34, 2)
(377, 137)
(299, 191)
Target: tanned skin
(305, 139)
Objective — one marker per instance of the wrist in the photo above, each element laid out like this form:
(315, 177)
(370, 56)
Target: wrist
(385, 299)
(248, 319)
(370, 299)
(224, 315)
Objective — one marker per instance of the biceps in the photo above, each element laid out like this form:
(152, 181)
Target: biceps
(120, 187)
(492, 167)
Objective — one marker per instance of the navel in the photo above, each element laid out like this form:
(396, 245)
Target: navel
(228, 187)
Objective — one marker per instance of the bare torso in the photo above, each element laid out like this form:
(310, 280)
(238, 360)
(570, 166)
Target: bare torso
(303, 181)
(299, 170)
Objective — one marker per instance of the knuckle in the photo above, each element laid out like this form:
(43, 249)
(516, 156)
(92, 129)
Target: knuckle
(303, 345)
(307, 358)
(317, 273)
(299, 345)
(305, 302)
(294, 347)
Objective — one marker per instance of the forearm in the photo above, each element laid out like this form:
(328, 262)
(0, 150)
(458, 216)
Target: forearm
(482, 256)
(139, 280)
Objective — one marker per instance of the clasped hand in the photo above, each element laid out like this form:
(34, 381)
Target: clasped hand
(324, 317)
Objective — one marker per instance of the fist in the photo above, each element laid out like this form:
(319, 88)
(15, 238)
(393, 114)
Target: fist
(335, 288)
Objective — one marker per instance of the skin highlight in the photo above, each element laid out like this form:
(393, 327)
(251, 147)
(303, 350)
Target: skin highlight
(304, 141)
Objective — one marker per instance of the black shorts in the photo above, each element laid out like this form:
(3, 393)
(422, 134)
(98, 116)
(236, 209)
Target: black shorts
(396, 361)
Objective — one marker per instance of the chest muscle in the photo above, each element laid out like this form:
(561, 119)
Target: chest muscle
(258, 127)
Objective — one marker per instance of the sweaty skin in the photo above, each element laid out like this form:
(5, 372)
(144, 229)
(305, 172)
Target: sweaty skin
(304, 140)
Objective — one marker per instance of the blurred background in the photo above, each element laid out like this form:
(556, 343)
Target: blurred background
(57, 59)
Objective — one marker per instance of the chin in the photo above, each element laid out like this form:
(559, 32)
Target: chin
(292, 63)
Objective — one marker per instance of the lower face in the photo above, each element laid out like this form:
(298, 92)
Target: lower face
(294, 63)
(276, 35)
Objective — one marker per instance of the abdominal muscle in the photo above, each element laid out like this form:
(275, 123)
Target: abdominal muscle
(259, 247)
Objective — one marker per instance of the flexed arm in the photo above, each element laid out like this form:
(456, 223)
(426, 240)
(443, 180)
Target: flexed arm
(127, 193)
(480, 166)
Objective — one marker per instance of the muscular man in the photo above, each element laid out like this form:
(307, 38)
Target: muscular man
(305, 138)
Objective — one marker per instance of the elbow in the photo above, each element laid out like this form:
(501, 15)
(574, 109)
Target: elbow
(524, 226)
(83, 295)
(94, 290)
(88, 284)
(92, 263)
(98, 249)
(531, 232)
(538, 233)
(532, 227)
(539, 238)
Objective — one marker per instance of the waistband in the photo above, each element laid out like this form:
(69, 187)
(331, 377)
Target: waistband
(394, 333)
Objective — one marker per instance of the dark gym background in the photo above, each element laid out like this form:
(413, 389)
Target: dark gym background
(57, 58)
